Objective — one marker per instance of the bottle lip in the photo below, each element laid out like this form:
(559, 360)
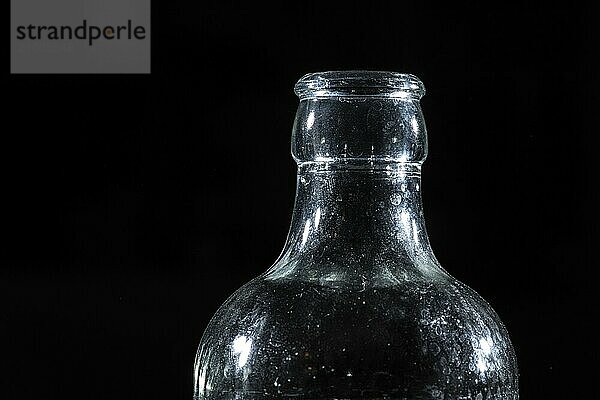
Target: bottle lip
(385, 84)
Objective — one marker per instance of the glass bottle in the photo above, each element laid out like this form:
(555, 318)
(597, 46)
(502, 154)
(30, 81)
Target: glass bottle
(356, 306)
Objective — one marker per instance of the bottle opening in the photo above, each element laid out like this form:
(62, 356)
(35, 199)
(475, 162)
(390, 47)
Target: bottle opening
(359, 84)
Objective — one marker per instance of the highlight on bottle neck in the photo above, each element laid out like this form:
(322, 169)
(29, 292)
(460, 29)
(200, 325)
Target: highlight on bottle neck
(359, 118)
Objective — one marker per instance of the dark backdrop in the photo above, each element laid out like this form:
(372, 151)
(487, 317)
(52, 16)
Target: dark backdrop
(134, 205)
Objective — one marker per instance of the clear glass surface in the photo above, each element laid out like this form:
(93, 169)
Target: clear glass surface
(356, 306)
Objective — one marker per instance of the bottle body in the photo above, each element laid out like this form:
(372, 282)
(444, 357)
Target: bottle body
(303, 340)
(356, 306)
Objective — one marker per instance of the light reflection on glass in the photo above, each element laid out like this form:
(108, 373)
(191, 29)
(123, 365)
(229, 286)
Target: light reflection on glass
(317, 217)
(310, 120)
(305, 233)
(415, 125)
(241, 347)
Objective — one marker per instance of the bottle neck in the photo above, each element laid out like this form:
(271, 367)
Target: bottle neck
(359, 139)
(354, 224)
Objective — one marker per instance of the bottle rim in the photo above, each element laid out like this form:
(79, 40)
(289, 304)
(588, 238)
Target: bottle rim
(359, 83)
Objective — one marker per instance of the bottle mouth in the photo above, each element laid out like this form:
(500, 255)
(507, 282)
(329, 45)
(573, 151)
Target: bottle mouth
(359, 84)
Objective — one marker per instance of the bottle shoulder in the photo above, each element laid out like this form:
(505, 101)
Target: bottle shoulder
(426, 297)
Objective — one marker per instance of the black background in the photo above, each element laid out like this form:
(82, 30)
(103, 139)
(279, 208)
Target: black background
(134, 205)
